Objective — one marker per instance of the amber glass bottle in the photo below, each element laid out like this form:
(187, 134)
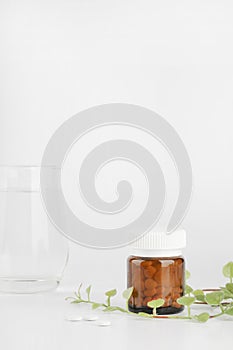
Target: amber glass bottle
(157, 270)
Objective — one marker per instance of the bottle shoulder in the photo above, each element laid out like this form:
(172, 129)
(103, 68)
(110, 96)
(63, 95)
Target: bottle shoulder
(151, 258)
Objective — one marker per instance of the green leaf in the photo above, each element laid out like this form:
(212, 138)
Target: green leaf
(188, 289)
(127, 293)
(228, 270)
(96, 306)
(201, 298)
(229, 287)
(186, 301)
(229, 311)
(88, 291)
(143, 314)
(199, 294)
(78, 294)
(202, 317)
(154, 304)
(111, 293)
(187, 275)
(227, 294)
(214, 298)
(77, 301)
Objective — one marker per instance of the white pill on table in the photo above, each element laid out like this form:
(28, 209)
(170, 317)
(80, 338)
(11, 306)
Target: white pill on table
(104, 323)
(73, 318)
(91, 318)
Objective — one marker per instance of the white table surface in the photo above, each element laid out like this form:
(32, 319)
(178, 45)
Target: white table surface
(31, 322)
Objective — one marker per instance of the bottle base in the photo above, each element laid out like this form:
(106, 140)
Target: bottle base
(170, 310)
(27, 285)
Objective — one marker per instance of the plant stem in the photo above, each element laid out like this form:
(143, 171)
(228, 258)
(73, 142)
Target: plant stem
(189, 311)
(87, 302)
(217, 315)
(221, 308)
(211, 290)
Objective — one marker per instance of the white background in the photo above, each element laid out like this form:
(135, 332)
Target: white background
(174, 57)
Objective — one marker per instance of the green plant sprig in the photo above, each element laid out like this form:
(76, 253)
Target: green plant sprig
(221, 298)
(106, 306)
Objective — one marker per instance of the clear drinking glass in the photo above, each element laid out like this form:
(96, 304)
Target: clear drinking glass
(33, 254)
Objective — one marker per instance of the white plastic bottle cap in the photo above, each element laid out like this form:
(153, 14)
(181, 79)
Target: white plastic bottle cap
(160, 244)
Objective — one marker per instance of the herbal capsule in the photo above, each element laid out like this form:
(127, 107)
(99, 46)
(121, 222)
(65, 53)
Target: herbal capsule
(157, 270)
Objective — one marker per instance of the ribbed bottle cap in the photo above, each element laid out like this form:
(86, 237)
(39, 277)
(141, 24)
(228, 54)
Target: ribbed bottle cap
(160, 244)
